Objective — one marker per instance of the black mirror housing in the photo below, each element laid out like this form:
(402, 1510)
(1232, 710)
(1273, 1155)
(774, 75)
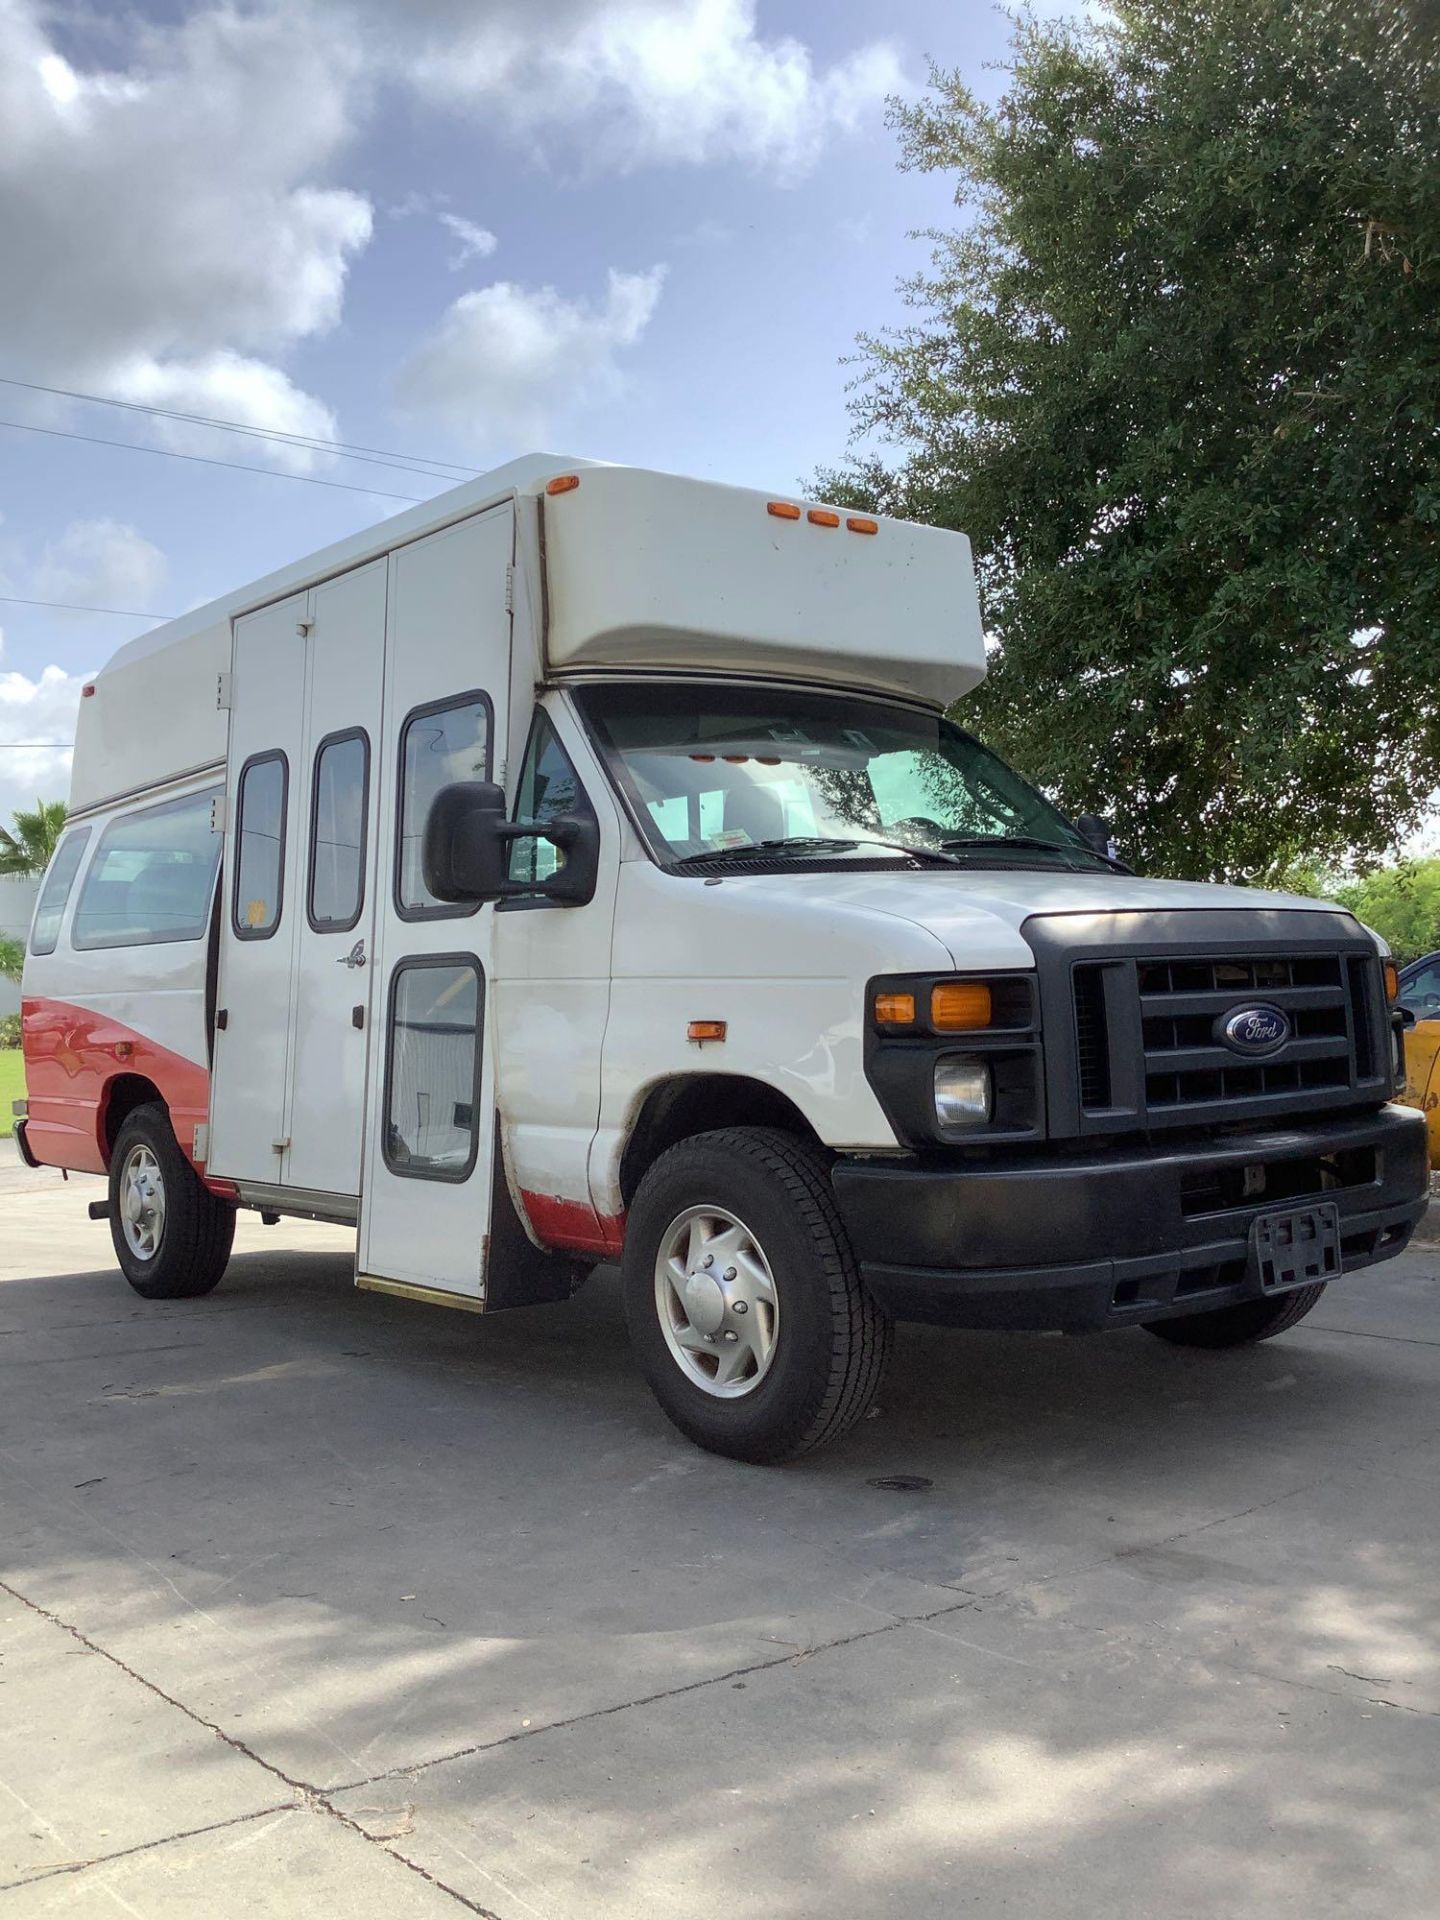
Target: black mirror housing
(1094, 830)
(465, 855)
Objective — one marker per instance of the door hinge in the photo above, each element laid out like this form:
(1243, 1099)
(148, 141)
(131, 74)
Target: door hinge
(222, 1019)
(509, 589)
(219, 814)
(281, 1146)
(224, 692)
(304, 628)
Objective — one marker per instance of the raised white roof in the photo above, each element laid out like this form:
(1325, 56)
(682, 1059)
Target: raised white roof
(643, 572)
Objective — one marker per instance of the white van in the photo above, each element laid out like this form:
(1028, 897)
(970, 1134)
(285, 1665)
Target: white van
(582, 867)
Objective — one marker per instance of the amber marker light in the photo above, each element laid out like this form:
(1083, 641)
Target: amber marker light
(857, 523)
(894, 1009)
(822, 517)
(563, 483)
(783, 510)
(1392, 982)
(959, 1006)
(702, 1030)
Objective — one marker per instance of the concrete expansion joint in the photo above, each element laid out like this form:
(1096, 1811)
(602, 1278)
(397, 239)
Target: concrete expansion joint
(305, 1796)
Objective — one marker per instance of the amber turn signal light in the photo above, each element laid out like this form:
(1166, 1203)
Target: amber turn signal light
(1392, 982)
(563, 483)
(705, 1030)
(959, 1006)
(894, 1009)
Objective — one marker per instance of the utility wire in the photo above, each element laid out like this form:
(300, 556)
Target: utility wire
(200, 459)
(16, 746)
(71, 606)
(380, 456)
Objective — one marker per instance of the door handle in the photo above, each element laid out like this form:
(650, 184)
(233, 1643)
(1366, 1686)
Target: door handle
(354, 958)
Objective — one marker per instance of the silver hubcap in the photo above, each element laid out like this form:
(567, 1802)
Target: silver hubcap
(142, 1203)
(716, 1298)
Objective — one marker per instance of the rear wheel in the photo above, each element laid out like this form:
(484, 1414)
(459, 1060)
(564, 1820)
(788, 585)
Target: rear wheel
(745, 1307)
(172, 1236)
(1241, 1325)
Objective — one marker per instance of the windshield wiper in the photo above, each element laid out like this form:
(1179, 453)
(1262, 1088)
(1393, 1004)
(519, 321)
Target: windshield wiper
(986, 840)
(802, 843)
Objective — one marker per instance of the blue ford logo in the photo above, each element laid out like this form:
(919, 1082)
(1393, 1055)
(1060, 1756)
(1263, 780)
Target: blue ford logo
(1255, 1030)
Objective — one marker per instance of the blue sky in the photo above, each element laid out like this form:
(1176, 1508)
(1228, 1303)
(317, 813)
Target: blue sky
(644, 230)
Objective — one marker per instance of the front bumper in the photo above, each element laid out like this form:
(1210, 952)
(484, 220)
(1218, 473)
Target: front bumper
(1116, 1237)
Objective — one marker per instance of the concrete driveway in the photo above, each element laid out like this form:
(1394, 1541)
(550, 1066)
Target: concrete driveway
(318, 1603)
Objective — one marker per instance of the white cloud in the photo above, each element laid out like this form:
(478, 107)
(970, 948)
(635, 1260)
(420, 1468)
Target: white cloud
(475, 243)
(507, 360)
(100, 563)
(163, 221)
(42, 709)
(628, 83)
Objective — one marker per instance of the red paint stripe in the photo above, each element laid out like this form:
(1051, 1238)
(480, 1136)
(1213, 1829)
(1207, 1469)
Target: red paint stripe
(73, 1057)
(573, 1225)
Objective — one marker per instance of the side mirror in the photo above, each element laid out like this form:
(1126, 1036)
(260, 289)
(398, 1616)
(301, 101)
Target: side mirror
(465, 854)
(1094, 830)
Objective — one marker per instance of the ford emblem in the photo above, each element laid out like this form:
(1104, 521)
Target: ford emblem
(1255, 1029)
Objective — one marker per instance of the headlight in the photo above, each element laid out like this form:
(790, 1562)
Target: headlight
(964, 1094)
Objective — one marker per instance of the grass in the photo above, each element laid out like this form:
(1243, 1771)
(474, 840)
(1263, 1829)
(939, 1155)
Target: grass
(12, 1086)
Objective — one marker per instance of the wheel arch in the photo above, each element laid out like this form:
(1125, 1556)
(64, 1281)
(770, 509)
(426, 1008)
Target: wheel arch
(121, 1096)
(686, 1104)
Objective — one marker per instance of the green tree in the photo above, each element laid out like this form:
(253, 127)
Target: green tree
(12, 958)
(27, 850)
(1177, 374)
(1400, 902)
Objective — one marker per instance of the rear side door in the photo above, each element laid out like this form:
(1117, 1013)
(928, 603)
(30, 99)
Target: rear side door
(250, 1094)
(335, 900)
(430, 1102)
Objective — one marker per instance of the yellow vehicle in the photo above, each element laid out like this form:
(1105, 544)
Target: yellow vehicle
(1420, 996)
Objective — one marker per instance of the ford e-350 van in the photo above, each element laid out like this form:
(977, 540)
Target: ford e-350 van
(583, 867)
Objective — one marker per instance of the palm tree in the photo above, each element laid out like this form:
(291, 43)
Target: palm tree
(28, 849)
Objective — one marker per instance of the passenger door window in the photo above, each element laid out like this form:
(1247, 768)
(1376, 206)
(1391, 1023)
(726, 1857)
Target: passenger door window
(432, 1076)
(440, 744)
(259, 890)
(1421, 993)
(549, 787)
(54, 895)
(337, 832)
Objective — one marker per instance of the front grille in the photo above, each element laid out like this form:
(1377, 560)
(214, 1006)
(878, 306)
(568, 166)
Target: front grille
(1146, 997)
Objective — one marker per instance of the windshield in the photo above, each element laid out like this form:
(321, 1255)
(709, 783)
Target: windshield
(716, 770)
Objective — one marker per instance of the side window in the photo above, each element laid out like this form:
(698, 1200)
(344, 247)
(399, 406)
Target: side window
(258, 896)
(337, 832)
(549, 786)
(45, 929)
(151, 878)
(1421, 993)
(432, 1074)
(439, 745)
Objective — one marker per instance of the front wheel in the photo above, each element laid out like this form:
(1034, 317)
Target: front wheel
(744, 1304)
(1241, 1325)
(171, 1235)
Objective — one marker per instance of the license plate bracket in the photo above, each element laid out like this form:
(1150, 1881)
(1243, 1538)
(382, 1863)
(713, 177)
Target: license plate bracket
(1297, 1248)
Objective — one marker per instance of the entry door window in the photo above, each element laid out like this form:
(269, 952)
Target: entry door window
(337, 832)
(432, 1079)
(260, 839)
(440, 744)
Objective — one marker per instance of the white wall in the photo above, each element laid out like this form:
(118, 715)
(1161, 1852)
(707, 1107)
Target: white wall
(17, 901)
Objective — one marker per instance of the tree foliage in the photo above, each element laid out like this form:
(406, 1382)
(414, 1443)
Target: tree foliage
(1402, 903)
(28, 848)
(12, 958)
(1177, 374)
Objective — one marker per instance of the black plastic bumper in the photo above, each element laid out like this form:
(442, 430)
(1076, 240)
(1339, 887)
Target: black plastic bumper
(1107, 1239)
(25, 1154)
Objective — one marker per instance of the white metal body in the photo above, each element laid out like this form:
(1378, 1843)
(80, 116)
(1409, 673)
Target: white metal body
(502, 589)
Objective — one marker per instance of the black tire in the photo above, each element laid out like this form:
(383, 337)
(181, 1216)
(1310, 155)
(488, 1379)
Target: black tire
(193, 1243)
(832, 1340)
(1241, 1325)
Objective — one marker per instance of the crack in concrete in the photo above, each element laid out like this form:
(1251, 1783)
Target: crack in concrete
(312, 1798)
(59, 1867)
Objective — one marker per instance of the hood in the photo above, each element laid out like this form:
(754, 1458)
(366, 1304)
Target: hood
(977, 916)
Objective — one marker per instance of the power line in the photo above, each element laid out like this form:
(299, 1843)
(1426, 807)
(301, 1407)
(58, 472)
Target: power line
(379, 456)
(30, 746)
(200, 459)
(72, 606)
